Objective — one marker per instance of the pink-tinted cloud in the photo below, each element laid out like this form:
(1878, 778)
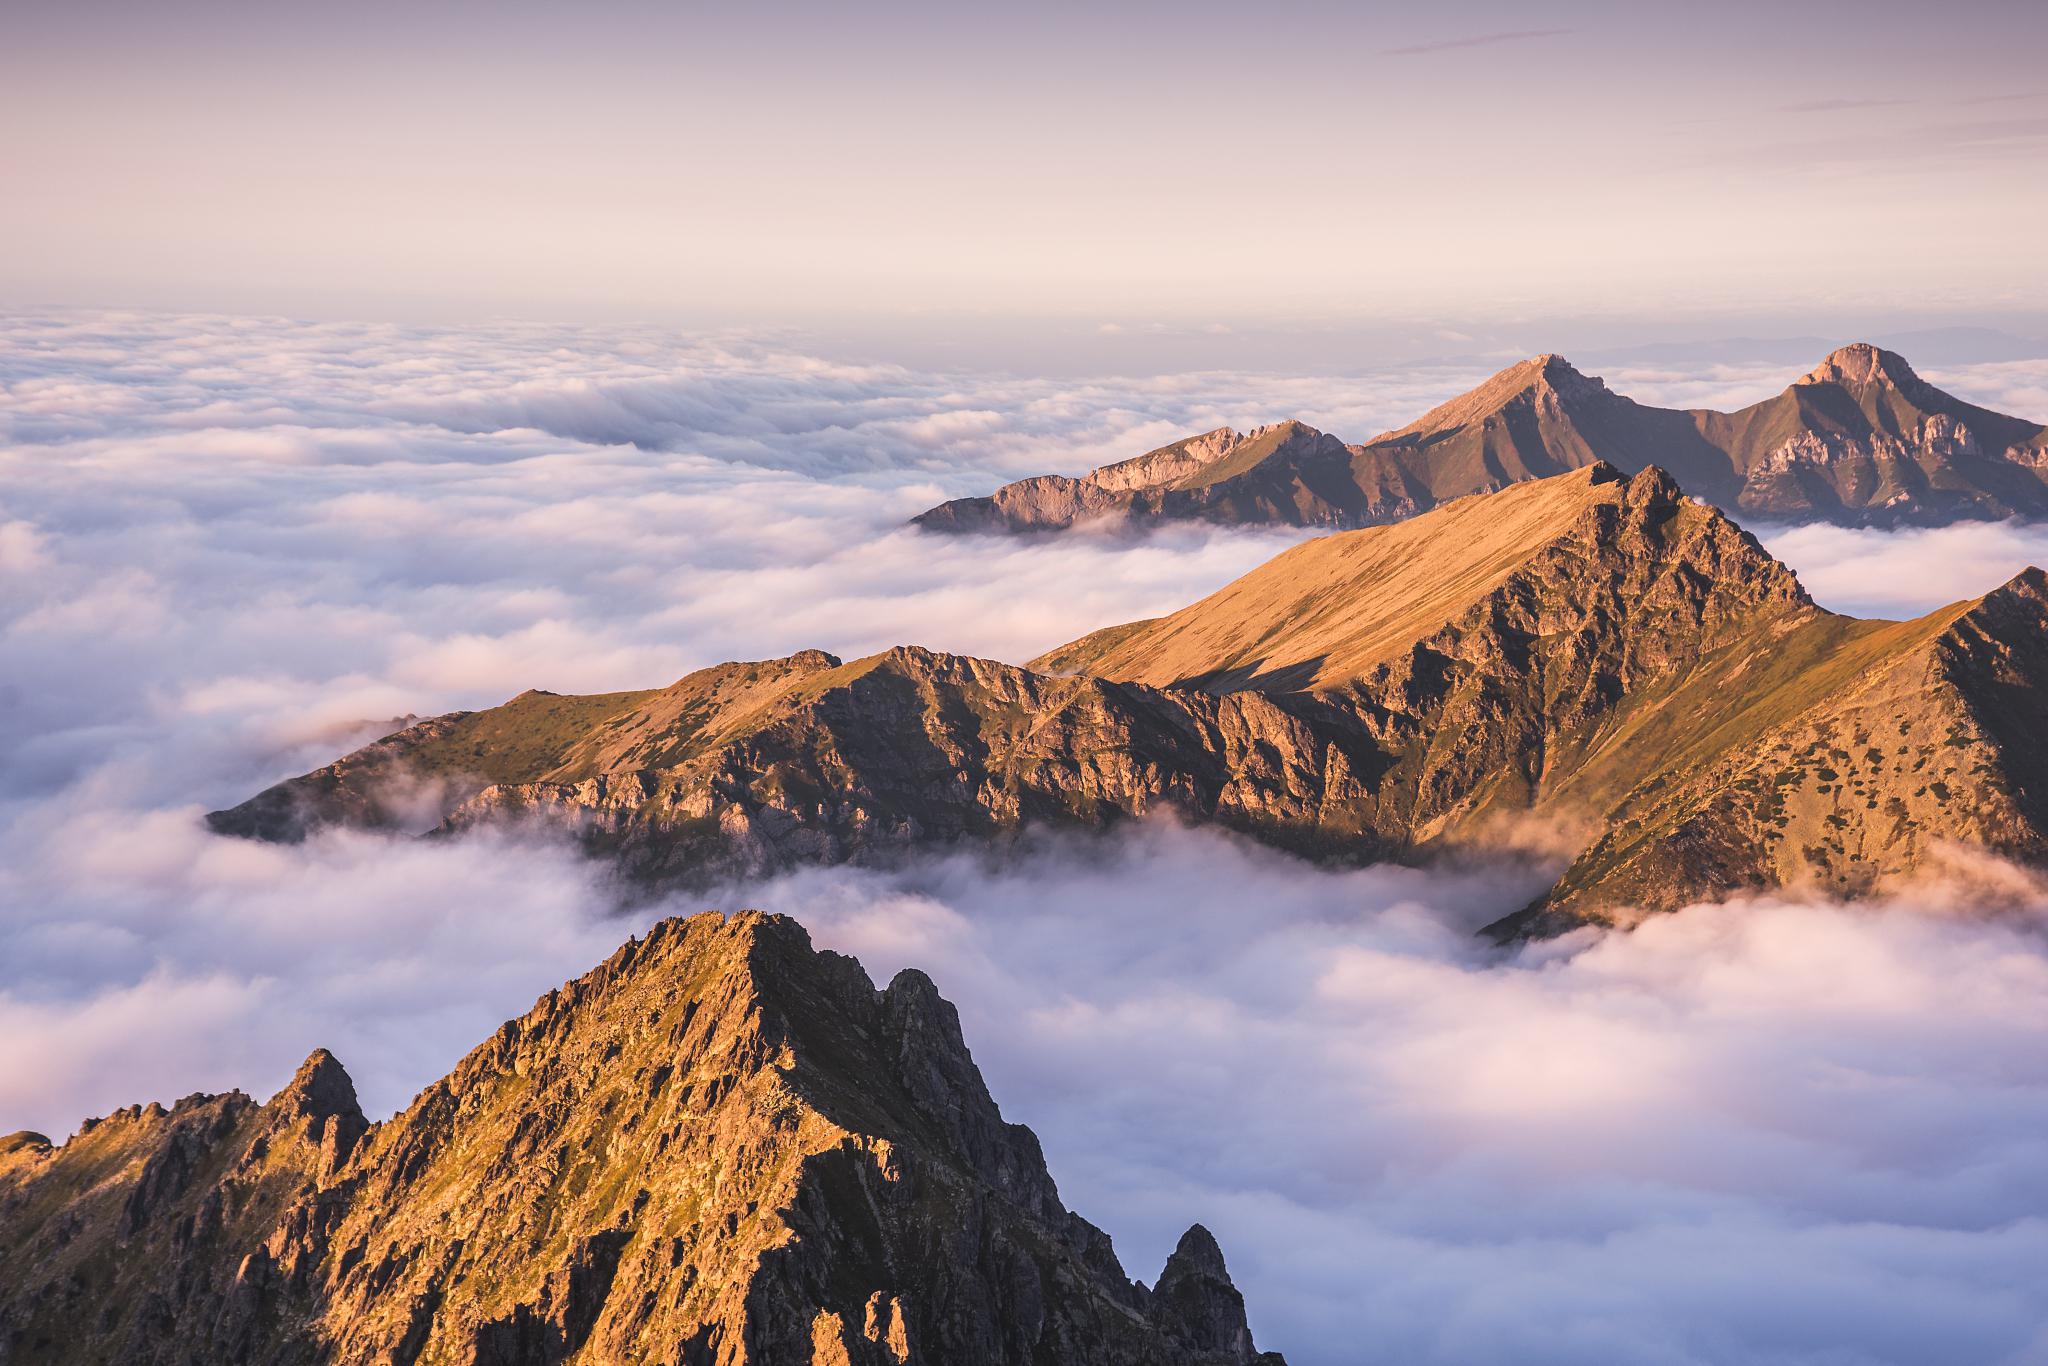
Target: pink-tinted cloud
(228, 548)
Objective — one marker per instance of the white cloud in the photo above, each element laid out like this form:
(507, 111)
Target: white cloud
(1905, 573)
(1769, 1133)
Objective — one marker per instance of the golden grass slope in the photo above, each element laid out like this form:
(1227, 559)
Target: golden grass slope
(1330, 609)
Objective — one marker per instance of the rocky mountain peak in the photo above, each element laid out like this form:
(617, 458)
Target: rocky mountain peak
(1561, 377)
(1552, 368)
(1653, 485)
(2028, 588)
(1548, 376)
(321, 1089)
(1197, 1254)
(319, 1105)
(1861, 364)
(1196, 1294)
(24, 1141)
(721, 1145)
(1860, 439)
(1546, 371)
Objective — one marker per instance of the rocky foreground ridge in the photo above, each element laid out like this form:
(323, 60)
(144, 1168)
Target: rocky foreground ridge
(1860, 440)
(1598, 658)
(718, 1147)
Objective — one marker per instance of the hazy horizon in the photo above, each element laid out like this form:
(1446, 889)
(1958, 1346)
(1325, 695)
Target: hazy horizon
(1184, 166)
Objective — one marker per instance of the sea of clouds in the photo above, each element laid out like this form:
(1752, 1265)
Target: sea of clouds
(230, 548)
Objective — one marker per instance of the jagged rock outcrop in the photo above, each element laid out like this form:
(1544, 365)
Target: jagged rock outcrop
(720, 1146)
(1605, 654)
(1288, 473)
(1863, 440)
(1839, 757)
(1860, 440)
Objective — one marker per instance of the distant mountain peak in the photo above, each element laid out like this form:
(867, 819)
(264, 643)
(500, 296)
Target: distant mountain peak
(1861, 363)
(1552, 367)
(1539, 376)
(1555, 372)
(1860, 439)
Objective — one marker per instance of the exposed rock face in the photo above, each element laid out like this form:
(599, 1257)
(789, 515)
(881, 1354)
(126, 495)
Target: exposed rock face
(1287, 473)
(1859, 440)
(1602, 653)
(718, 1147)
(1862, 439)
(1847, 758)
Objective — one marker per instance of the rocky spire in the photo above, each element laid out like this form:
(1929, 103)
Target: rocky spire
(320, 1101)
(1196, 1301)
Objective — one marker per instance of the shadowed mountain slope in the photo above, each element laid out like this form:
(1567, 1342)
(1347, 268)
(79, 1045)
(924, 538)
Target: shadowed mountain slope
(1602, 653)
(1861, 440)
(719, 1146)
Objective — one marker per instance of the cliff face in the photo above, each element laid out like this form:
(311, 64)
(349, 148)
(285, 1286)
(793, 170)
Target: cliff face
(718, 1147)
(1860, 440)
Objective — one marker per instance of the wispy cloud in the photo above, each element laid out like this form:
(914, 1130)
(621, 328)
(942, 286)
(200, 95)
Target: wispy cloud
(1836, 106)
(1477, 40)
(2014, 97)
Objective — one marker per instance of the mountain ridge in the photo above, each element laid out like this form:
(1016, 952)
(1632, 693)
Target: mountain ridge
(1604, 653)
(1859, 439)
(720, 1145)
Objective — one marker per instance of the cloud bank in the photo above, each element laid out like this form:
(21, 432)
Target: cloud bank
(229, 548)
(1766, 1132)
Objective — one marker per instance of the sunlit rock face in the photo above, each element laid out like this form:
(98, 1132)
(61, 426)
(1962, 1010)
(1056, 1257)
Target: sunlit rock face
(719, 1146)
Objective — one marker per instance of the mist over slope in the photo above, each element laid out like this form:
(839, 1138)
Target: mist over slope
(1769, 1133)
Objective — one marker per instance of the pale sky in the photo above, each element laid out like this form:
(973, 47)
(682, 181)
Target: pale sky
(800, 161)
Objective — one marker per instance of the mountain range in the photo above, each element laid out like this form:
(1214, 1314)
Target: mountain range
(718, 1147)
(1861, 440)
(1596, 656)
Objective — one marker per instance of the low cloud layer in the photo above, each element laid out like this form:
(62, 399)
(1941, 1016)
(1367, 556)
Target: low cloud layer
(228, 548)
(1906, 573)
(1767, 1132)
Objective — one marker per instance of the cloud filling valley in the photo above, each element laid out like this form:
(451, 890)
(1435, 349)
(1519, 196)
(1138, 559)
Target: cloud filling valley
(231, 549)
